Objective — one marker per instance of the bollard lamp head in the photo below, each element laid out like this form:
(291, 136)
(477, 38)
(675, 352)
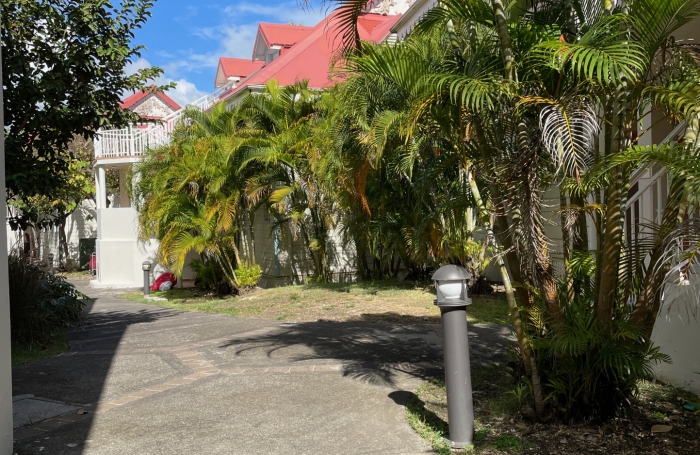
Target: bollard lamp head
(451, 286)
(146, 266)
(50, 257)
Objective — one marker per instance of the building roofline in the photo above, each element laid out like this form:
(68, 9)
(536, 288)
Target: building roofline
(408, 15)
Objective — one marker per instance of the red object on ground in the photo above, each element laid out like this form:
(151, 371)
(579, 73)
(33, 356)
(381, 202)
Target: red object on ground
(162, 279)
(92, 266)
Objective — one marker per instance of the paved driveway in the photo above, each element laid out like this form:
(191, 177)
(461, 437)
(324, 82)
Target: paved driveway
(159, 381)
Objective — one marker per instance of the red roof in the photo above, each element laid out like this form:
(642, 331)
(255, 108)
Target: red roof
(130, 101)
(235, 67)
(283, 34)
(311, 58)
(240, 67)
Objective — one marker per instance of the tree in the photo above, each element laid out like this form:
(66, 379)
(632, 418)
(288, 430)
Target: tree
(63, 75)
(189, 194)
(44, 211)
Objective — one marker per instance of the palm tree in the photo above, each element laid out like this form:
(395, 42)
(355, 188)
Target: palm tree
(286, 154)
(189, 194)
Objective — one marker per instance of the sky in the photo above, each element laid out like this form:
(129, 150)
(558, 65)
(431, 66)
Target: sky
(187, 38)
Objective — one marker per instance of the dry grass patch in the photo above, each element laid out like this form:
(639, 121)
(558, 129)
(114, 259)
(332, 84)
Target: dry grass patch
(384, 301)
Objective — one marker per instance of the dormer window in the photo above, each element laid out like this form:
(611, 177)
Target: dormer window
(234, 70)
(272, 39)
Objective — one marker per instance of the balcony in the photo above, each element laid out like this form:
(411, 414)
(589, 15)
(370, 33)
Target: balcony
(129, 144)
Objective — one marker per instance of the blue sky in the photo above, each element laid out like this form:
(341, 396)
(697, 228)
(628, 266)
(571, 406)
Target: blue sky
(187, 38)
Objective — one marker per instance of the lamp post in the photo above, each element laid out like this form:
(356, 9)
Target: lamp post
(51, 263)
(451, 287)
(146, 267)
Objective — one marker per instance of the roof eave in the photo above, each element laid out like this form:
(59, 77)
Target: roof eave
(407, 16)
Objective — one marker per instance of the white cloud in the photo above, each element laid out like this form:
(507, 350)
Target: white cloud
(282, 12)
(184, 92)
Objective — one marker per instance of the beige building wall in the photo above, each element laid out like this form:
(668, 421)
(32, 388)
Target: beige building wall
(290, 262)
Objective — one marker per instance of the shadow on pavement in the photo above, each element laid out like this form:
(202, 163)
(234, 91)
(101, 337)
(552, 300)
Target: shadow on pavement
(385, 354)
(375, 353)
(393, 317)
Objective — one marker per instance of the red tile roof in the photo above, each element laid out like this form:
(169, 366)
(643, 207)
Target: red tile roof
(311, 58)
(283, 34)
(130, 101)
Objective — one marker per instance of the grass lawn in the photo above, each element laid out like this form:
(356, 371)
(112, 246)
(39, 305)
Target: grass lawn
(383, 301)
(500, 428)
(22, 354)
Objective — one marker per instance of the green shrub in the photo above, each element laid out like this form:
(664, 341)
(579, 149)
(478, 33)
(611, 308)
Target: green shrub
(40, 302)
(208, 276)
(590, 370)
(249, 276)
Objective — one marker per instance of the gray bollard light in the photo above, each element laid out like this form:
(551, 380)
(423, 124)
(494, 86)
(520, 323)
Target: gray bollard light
(146, 266)
(51, 263)
(451, 287)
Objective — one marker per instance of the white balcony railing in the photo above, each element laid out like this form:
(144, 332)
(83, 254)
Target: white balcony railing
(134, 140)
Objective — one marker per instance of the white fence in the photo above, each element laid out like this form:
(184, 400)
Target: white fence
(134, 140)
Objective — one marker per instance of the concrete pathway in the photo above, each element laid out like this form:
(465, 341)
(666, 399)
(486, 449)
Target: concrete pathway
(149, 380)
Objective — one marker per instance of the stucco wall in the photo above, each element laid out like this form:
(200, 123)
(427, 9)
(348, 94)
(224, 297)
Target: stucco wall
(677, 333)
(291, 262)
(119, 253)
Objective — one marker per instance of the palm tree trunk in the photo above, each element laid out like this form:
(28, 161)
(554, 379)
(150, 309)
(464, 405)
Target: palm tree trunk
(580, 241)
(511, 255)
(503, 38)
(545, 275)
(566, 240)
(518, 326)
(251, 227)
(501, 226)
(615, 204)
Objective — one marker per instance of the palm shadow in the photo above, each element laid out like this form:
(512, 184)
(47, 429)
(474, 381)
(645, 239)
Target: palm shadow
(375, 353)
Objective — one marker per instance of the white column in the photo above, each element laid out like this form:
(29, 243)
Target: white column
(97, 189)
(123, 195)
(101, 188)
(5, 352)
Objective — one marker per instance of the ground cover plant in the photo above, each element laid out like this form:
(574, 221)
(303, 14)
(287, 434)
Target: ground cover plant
(26, 353)
(501, 429)
(380, 301)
